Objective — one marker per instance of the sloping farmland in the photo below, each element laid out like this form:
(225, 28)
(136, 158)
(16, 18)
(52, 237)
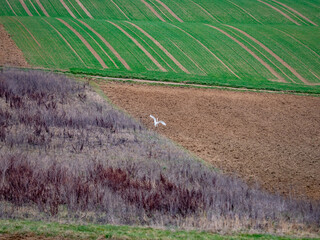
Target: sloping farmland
(229, 11)
(257, 44)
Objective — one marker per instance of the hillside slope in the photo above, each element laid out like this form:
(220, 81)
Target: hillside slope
(247, 43)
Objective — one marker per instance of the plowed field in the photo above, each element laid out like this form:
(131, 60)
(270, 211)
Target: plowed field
(273, 139)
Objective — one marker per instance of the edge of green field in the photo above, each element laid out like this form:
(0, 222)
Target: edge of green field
(202, 80)
(94, 231)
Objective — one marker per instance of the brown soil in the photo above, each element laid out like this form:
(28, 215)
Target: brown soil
(273, 139)
(10, 54)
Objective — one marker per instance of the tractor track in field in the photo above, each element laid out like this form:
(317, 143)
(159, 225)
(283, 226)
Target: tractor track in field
(271, 139)
(93, 52)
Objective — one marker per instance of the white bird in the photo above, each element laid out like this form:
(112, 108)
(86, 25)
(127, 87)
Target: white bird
(156, 122)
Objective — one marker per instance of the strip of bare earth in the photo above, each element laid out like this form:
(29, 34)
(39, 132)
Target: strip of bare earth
(67, 8)
(120, 9)
(84, 9)
(11, 8)
(153, 11)
(35, 8)
(65, 40)
(125, 64)
(209, 14)
(207, 50)
(140, 46)
(161, 47)
(185, 54)
(296, 12)
(25, 7)
(279, 78)
(169, 10)
(95, 54)
(244, 11)
(96, 43)
(42, 8)
(279, 11)
(28, 31)
(291, 69)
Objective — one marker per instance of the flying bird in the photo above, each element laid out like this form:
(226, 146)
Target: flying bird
(156, 122)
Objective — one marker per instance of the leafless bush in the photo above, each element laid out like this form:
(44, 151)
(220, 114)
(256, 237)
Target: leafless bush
(65, 149)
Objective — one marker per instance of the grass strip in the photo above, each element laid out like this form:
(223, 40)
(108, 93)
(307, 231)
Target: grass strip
(94, 231)
(204, 80)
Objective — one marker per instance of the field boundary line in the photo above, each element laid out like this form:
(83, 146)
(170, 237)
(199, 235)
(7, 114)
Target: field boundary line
(209, 14)
(67, 8)
(168, 83)
(291, 69)
(125, 64)
(279, 11)
(120, 9)
(42, 8)
(280, 79)
(66, 41)
(11, 8)
(153, 10)
(140, 46)
(207, 50)
(84, 9)
(169, 10)
(244, 11)
(25, 7)
(161, 47)
(296, 12)
(94, 53)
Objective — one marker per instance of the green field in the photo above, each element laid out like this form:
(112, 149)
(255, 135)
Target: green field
(254, 44)
(94, 231)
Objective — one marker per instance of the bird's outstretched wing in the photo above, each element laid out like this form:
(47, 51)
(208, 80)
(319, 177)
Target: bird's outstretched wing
(162, 122)
(154, 119)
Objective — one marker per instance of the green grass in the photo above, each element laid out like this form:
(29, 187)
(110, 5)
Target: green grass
(93, 231)
(205, 80)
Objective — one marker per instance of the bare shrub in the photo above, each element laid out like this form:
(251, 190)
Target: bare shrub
(63, 148)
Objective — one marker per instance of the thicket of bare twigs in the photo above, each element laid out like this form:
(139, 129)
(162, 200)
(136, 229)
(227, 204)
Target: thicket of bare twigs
(67, 153)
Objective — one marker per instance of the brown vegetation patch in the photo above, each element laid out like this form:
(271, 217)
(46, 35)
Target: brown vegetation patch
(28, 236)
(269, 138)
(10, 54)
